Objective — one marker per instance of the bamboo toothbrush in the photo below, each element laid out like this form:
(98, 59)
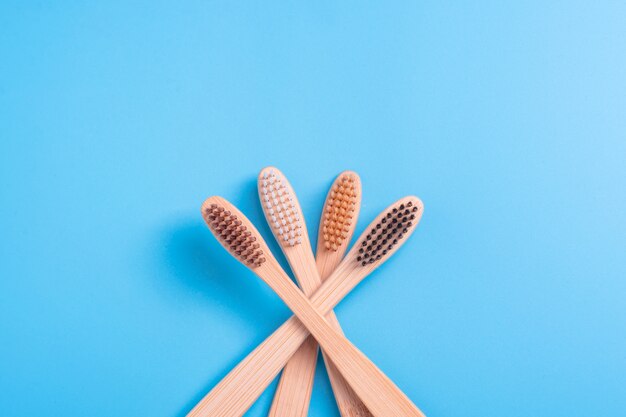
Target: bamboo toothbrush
(335, 232)
(284, 215)
(237, 234)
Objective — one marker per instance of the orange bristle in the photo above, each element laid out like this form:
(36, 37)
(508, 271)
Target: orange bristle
(339, 212)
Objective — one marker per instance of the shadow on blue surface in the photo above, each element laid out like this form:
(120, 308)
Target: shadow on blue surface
(202, 268)
(202, 271)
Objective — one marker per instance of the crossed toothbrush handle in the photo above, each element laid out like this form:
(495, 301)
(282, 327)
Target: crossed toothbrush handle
(381, 396)
(236, 392)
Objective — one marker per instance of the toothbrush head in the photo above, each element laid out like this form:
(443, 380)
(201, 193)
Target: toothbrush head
(281, 207)
(387, 233)
(341, 211)
(234, 231)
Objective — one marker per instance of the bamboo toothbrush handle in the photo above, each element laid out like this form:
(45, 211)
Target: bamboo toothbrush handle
(293, 393)
(238, 390)
(375, 389)
(350, 405)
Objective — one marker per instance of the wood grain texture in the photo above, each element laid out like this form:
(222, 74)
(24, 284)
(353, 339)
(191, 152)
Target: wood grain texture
(295, 386)
(381, 396)
(327, 260)
(234, 394)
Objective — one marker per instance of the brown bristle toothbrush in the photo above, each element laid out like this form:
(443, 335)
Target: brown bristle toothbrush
(284, 215)
(237, 234)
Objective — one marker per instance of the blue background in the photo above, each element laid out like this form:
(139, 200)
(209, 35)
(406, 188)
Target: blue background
(508, 120)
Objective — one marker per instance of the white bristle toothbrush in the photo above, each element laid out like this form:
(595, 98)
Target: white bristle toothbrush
(237, 234)
(284, 215)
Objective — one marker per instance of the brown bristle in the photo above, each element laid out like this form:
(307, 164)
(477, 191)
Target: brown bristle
(235, 236)
(339, 212)
(387, 232)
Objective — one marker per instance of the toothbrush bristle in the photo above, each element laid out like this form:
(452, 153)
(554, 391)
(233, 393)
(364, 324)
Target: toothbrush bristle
(386, 234)
(339, 212)
(234, 235)
(279, 205)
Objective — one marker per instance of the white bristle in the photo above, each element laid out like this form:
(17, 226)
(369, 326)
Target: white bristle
(280, 208)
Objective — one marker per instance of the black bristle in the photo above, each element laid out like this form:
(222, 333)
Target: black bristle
(392, 227)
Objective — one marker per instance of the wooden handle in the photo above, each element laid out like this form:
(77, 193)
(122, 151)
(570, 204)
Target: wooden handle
(381, 396)
(238, 390)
